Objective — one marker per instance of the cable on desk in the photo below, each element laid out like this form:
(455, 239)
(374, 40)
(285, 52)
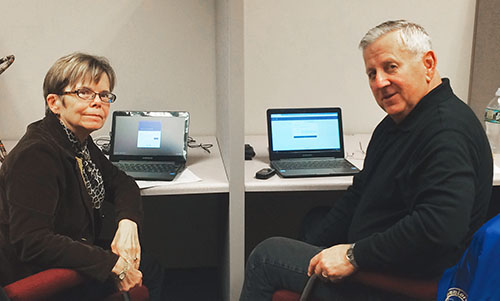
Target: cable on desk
(103, 143)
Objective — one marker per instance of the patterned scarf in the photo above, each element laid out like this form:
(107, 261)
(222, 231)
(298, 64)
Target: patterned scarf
(91, 174)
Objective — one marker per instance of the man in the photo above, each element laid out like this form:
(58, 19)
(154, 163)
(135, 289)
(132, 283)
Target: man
(423, 191)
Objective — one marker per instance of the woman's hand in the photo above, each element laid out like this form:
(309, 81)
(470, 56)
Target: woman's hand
(126, 242)
(128, 276)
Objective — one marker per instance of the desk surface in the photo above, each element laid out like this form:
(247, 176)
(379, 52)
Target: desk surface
(354, 146)
(208, 167)
(275, 183)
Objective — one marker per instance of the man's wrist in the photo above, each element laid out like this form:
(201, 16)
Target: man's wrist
(350, 256)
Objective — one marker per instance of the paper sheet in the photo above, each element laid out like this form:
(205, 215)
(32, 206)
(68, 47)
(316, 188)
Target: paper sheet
(187, 176)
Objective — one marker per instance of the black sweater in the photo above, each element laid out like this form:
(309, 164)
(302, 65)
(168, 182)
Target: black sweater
(424, 190)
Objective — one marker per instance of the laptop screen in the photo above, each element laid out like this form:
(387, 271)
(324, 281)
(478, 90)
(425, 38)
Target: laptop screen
(158, 135)
(305, 132)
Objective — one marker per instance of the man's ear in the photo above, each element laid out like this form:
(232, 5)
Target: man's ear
(429, 60)
(54, 103)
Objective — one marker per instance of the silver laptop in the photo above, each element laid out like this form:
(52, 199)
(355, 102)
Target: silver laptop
(149, 145)
(307, 142)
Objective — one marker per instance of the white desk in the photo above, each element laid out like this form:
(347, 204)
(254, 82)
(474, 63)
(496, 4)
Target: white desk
(276, 183)
(207, 166)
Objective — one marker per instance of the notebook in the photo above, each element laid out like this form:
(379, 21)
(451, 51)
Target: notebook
(149, 145)
(307, 142)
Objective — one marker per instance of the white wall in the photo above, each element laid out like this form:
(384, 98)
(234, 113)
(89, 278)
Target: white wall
(305, 53)
(163, 52)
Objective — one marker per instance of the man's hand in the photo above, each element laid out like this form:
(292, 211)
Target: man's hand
(331, 263)
(126, 242)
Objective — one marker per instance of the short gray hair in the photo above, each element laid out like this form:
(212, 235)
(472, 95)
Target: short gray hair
(412, 35)
(74, 68)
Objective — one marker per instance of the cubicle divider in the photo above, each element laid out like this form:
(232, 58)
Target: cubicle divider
(230, 133)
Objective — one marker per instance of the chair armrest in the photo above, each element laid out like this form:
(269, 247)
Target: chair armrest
(137, 293)
(416, 288)
(43, 285)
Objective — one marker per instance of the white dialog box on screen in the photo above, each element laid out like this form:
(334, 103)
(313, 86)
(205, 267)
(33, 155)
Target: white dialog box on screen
(149, 134)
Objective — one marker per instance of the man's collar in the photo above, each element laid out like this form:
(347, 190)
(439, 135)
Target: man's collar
(429, 101)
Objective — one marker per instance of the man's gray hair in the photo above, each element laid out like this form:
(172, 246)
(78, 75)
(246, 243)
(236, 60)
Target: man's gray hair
(412, 35)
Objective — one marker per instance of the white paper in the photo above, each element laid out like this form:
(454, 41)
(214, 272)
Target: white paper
(187, 176)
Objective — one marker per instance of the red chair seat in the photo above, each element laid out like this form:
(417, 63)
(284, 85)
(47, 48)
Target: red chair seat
(43, 285)
(51, 282)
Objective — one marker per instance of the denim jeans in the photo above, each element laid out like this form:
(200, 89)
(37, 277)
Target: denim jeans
(281, 263)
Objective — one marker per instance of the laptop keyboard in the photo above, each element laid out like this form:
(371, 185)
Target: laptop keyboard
(147, 167)
(311, 164)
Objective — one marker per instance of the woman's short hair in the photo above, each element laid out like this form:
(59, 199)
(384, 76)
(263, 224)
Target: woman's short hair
(412, 35)
(75, 68)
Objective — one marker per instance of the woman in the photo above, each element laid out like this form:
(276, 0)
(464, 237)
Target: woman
(55, 180)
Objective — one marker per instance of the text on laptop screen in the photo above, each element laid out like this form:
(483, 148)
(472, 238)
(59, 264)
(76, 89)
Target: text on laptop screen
(305, 131)
(149, 135)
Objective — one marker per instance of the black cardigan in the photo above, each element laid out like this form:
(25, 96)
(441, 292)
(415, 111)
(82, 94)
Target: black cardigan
(46, 216)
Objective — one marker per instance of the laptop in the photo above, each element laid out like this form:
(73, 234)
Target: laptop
(307, 142)
(149, 145)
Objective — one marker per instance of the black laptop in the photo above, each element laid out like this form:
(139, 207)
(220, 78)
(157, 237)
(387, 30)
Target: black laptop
(149, 145)
(307, 142)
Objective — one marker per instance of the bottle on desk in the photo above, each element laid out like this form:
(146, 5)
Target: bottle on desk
(492, 121)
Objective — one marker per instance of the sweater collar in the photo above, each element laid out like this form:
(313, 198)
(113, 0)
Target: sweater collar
(429, 102)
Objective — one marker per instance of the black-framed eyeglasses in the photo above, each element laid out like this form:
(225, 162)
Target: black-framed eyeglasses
(205, 146)
(88, 94)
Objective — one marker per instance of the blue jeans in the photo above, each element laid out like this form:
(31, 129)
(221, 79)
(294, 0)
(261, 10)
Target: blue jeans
(281, 263)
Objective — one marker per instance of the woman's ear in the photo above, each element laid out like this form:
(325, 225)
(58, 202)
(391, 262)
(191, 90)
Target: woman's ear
(54, 103)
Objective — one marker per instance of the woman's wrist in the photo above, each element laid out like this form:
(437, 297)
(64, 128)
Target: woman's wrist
(123, 273)
(127, 222)
(121, 268)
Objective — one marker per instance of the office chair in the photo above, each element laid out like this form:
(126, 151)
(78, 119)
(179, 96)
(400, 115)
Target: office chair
(52, 282)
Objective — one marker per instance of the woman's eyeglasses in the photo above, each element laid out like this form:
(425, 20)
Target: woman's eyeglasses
(88, 94)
